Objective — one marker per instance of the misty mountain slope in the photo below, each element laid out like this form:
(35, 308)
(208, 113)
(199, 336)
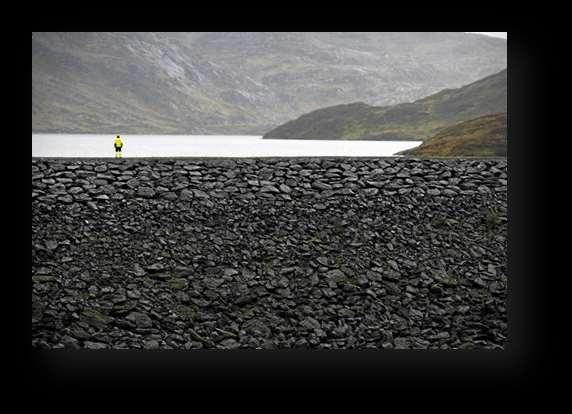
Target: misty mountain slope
(483, 136)
(417, 120)
(238, 82)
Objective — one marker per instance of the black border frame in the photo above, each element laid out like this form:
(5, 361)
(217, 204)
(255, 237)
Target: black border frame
(528, 361)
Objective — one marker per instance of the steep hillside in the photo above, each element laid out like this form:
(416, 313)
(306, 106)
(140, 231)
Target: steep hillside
(417, 120)
(483, 136)
(238, 82)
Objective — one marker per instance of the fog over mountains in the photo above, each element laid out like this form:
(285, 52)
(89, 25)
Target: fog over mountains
(239, 83)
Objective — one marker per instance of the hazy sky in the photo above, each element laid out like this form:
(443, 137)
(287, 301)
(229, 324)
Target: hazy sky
(493, 34)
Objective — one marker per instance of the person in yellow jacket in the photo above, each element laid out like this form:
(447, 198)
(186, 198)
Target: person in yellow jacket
(118, 144)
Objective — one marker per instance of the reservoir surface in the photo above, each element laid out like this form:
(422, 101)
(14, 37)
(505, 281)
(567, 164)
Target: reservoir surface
(83, 145)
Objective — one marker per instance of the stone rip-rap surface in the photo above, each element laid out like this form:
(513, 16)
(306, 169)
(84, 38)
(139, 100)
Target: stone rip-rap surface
(269, 253)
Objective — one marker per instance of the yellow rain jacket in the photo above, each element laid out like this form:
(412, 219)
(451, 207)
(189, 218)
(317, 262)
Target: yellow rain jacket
(118, 142)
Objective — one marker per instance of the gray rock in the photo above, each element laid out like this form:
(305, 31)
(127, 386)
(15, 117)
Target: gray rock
(94, 345)
(170, 196)
(371, 191)
(138, 270)
(151, 344)
(116, 299)
(335, 274)
(140, 319)
(51, 244)
(402, 343)
(393, 265)
(133, 294)
(95, 318)
(66, 199)
(186, 195)
(200, 194)
(230, 343)
(257, 328)
(178, 284)
(269, 189)
(70, 342)
(230, 272)
(155, 267)
(321, 185)
(146, 192)
(310, 323)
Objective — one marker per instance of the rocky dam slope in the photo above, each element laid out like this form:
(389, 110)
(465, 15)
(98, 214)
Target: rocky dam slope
(269, 253)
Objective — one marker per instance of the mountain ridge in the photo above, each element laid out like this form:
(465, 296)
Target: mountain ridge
(237, 82)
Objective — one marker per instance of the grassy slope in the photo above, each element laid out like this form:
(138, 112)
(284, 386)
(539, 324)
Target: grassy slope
(482, 136)
(418, 120)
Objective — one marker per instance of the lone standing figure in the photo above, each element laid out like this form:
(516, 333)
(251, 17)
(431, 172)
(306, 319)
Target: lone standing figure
(118, 144)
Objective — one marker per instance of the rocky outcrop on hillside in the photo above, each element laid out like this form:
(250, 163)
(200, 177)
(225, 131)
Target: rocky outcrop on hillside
(269, 253)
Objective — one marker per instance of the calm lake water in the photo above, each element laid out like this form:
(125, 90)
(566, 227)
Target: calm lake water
(71, 145)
